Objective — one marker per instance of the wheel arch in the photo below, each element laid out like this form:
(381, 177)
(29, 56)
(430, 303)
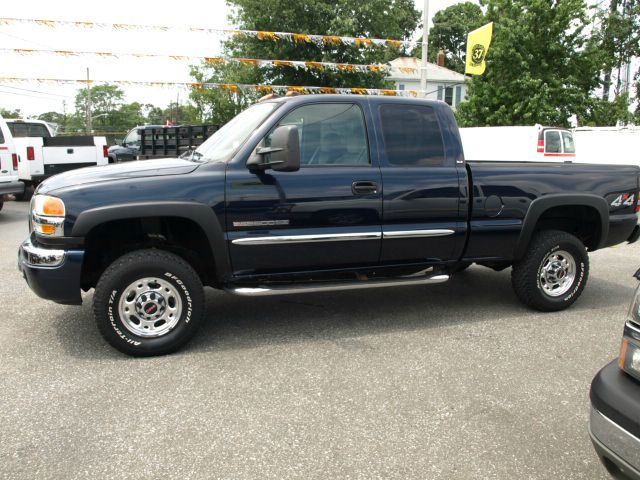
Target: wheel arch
(198, 213)
(541, 208)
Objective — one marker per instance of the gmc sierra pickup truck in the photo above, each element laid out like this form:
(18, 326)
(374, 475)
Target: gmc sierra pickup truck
(309, 194)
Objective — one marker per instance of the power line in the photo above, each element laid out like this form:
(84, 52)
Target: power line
(41, 97)
(23, 39)
(36, 91)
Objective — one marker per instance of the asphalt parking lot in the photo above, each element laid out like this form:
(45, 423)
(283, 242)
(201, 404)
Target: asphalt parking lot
(455, 381)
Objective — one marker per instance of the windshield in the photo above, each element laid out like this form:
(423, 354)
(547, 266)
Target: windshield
(224, 143)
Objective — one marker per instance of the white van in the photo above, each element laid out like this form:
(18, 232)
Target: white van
(518, 144)
(9, 182)
(41, 155)
(608, 145)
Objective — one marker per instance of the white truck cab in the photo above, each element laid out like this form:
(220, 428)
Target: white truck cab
(9, 182)
(518, 144)
(41, 154)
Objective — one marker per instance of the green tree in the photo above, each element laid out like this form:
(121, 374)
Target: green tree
(396, 19)
(449, 33)
(10, 113)
(618, 37)
(56, 118)
(540, 68)
(608, 113)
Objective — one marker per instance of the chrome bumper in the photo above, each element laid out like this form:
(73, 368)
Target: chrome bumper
(40, 257)
(615, 443)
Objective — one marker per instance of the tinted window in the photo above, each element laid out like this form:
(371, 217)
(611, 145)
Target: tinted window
(567, 142)
(21, 129)
(411, 135)
(1, 137)
(552, 142)
(330, 134)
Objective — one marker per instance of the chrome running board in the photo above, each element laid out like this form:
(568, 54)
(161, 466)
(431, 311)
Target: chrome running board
(287, 289)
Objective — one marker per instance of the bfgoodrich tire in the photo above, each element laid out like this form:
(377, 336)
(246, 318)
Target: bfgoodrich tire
(553, 273)
(148, 302)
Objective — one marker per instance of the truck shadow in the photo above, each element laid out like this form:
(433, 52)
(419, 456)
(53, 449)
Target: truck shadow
(238, 322)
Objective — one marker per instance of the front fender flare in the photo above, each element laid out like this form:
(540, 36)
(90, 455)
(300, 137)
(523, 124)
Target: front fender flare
(199, 213)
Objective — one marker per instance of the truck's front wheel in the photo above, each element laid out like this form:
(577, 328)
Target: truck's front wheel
(553, 273)
(148, 302)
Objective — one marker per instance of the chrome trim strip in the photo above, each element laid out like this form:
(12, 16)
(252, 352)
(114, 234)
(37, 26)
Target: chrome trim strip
(57, 222)
(281, 239)
(41, 257)
(615, 438)
(262, 291)
(438, 232)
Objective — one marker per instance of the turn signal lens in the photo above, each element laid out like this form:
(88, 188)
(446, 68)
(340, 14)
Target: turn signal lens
(53, 207)
(47, 229)
(48, 206)
(623, 353)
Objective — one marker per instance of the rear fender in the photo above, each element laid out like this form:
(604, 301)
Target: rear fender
(542, 204)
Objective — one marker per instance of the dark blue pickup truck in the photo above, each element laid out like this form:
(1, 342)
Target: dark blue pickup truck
(315, 193)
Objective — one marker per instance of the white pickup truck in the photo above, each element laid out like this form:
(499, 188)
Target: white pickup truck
(9, 182)
(41, 155)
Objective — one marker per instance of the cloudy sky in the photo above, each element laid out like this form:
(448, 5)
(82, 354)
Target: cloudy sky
(34, 98)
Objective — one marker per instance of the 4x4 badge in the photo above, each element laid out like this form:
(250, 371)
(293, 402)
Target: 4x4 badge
(625, 199)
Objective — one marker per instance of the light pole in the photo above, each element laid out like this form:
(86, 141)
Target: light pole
(425, 49)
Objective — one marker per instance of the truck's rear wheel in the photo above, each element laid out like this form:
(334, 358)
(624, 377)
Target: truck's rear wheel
(148, 302)
(553, 273)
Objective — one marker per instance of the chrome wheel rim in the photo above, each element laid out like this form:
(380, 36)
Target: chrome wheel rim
(150, 307)
(557, 273)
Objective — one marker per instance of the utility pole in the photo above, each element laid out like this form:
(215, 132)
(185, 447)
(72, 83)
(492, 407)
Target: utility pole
(89, 127)
(425, 49)
(177, 107)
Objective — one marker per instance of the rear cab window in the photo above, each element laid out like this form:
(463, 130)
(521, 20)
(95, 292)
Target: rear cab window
(26, 129)
(412, 135)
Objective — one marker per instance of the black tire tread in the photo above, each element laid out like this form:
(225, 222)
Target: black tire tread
(521, 271)
(143, 257)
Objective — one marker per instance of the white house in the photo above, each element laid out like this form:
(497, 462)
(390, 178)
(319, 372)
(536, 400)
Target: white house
(442, 83)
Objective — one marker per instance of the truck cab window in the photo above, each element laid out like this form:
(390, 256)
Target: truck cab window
(552, 142)
(412, 135)
(567, 143)
(22, 129)
(132, 138)
(330, 134)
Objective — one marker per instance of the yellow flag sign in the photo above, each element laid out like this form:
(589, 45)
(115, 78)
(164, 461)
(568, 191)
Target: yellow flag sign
(478, 43)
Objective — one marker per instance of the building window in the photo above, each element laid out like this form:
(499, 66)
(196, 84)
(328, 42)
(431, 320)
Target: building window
(448, 95)
(440, 92)
(458, 95)
(401, 86)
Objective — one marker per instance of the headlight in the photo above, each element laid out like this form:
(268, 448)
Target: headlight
(47, 215)
(629, 360)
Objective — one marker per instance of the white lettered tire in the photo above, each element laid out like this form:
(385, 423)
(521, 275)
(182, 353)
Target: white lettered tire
(553, 272)
(148, 302)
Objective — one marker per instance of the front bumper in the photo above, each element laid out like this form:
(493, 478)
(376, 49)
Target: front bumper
(615, 419)
(15, 187)
(52, 273)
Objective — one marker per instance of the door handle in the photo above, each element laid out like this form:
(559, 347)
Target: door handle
(364, 188)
